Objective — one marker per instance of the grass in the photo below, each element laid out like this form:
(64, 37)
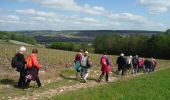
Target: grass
(154, 86)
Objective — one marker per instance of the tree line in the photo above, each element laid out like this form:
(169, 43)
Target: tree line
(18, 37)
(156, 45)
(71, 46)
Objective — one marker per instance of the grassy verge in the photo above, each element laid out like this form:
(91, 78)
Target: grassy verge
(154, 86)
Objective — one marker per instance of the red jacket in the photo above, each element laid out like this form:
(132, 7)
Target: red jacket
(35, 61)
(105, 66)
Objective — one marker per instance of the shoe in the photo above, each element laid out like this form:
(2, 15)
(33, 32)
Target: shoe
(84, 80)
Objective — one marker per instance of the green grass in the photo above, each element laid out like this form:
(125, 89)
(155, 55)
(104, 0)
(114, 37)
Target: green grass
(154, 86)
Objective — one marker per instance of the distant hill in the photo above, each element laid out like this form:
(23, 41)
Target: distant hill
(47, 36)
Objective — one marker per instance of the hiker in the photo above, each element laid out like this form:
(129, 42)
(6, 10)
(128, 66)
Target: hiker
(148, 65)
(86, 65)
(121, 62)
(154, 62)
(32, 71)
(21, 67)
(135, 62)
(141, 65)
(77, 61)
(105, 67)
(129, 63)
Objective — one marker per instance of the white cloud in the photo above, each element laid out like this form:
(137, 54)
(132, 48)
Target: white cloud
(94, 17)
(71, 5)
(9, 19)
(131, 19)
(32, 12)
(156, 6)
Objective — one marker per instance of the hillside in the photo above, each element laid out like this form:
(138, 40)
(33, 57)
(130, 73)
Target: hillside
(57, 74)
(47, 36)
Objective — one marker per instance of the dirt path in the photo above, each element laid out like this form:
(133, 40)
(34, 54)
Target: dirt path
(61, 90)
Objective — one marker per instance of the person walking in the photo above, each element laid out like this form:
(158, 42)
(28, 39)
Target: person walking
(86, 65)
(21, 67)
(77, 62)
(135, 62)
(121, 62)
(129, 64)
(106, 68)
(33, 71)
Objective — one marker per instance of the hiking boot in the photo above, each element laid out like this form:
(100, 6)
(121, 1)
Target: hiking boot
(84, 80)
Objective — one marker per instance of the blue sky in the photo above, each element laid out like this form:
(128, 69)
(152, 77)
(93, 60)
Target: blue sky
(85, 15)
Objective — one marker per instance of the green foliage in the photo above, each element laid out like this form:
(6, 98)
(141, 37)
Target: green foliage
(154, 46)
(5, 35)
(17, 37)
(71, 46)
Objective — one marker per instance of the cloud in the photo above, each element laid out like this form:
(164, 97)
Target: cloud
(71, 5)
(35, 19)
(156, 6)
(9, 19)
(32, 12)
(94, 17)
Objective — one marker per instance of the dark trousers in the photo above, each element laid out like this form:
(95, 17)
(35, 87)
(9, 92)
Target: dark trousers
(101, 76)
(22, 81)
(37, 79)
(123, 70)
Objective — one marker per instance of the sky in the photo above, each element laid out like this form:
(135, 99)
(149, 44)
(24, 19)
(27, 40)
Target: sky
(84, 15)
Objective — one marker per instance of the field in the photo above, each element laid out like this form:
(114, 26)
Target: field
(153, 86)
(57, 74)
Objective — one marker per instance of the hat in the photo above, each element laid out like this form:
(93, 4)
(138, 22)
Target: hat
(121, 54)
(86, 52)
(22, 48)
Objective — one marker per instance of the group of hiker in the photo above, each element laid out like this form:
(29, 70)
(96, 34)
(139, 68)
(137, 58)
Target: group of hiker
(28, 68)
(125, 64)
(83, 65)
(135, 64)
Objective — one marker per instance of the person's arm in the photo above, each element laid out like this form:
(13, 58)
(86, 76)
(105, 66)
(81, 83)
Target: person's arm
(35, 62)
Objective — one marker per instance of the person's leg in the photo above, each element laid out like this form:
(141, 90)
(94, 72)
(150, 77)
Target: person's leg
(38, 81)
(101, 76)
(77, 74)
(107, 77)
(20, 80)
(85, 76)
(23, 80)
(123, 71)
(28, 83)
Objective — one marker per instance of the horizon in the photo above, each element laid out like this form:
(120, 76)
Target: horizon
(64, 15)
(77, 30)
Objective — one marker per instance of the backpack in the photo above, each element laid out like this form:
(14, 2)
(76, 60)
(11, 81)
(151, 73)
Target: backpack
(135, 61)
(29, 62)
(84, 61)
(128, 61)
(14, 62)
